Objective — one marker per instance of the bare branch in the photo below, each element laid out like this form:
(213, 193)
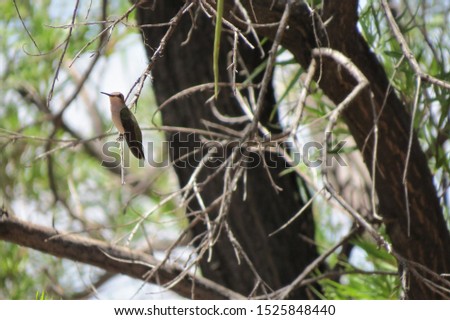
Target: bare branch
(407, 51)
(158, 53)
(283, 293)
(270, 64)
(362, 84)
(114, 259)
(63, 54)
(25, 27)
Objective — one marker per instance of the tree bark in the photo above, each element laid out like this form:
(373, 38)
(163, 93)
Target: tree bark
(425, 238)
(278, 259)
(112, 258)
(418, 236)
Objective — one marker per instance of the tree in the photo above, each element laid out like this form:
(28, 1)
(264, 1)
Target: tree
(251, 225)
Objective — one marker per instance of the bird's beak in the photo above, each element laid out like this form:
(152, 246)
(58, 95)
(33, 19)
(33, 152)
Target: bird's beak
(105, 93)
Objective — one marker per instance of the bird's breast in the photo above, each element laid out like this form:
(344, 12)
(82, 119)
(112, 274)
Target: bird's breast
(115, 115)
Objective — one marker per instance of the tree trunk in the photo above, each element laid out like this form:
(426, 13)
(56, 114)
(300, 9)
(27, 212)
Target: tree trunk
(427, 241)
(256, 209)
(419, 237)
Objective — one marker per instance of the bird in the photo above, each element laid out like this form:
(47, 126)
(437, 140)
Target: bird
(126, 123)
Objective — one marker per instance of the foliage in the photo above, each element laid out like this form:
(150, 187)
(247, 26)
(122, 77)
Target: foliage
(49, 174)
(422, 24)
(15, 281)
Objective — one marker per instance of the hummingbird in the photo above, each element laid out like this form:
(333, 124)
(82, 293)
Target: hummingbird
(126, 123)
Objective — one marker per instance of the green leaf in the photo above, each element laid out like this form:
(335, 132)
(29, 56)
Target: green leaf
(217, 37)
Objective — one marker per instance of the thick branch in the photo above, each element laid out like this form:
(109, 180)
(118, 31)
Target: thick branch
(114, 259)
(306, 32)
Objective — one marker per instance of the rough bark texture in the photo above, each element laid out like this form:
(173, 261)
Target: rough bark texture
(429, 239)
(278, 259)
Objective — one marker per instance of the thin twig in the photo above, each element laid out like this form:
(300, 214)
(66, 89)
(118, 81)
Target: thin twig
(25, 27)
(158, 53)
(407, 51)
(298, 214)
(363, 83)
(122, 164)
(408, 153)
(102, 41)
(374, 158)
(109, 28)
(198, 88)
(302, 98)
(67, 41)
(267, 77)
(283, 293)
(250, 26)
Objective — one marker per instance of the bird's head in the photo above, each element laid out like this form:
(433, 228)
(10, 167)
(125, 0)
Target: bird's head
(116, 98)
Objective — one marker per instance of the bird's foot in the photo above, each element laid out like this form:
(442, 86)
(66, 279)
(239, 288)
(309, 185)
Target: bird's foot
(120, 138)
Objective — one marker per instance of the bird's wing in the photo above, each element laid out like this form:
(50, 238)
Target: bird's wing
(133, 134)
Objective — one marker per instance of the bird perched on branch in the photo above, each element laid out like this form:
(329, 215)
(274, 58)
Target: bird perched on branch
(126, 123)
